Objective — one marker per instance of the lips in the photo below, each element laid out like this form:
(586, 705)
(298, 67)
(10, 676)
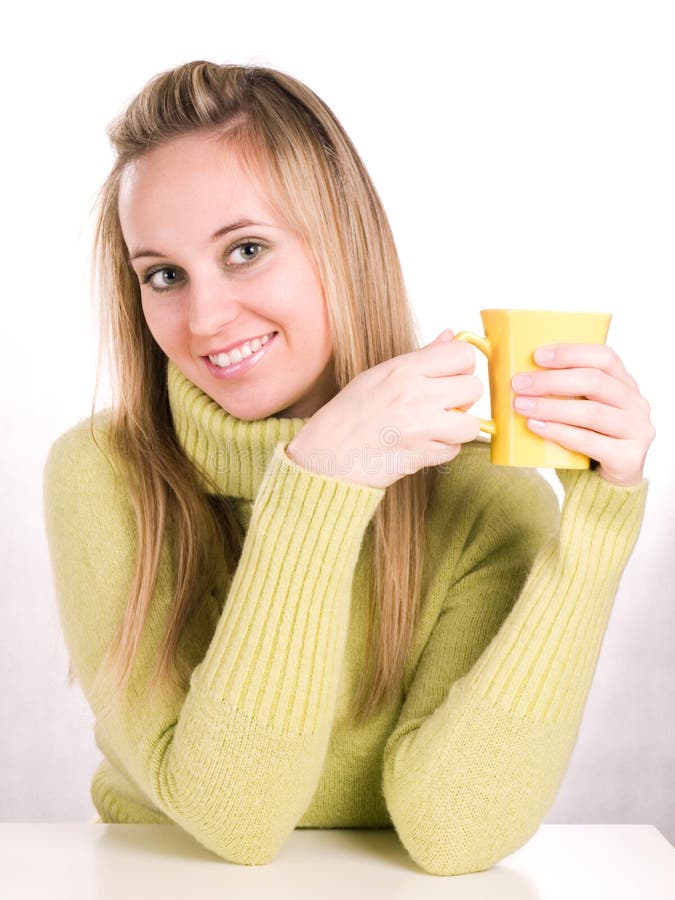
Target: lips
(237, 344)
(240, 369)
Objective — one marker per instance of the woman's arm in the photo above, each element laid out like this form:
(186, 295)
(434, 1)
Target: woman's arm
(510, 662)
(235, 762)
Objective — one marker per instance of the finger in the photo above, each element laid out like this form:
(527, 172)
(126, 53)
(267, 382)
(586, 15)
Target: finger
(597, 356)
(613, 454)
(598, 417)
(457, 427)
(592, 384)
(441, 358)
(580, 440)
(456, 391)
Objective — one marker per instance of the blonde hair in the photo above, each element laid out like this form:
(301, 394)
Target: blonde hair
(295, 143)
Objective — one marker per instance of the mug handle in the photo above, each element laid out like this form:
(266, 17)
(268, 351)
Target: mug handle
(483, 344)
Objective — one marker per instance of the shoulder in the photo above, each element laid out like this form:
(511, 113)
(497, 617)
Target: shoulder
(86, 443)
(79, 463)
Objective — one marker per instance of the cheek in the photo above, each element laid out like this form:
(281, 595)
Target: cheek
(149, 319)
(162, 326)
(324, 326)
(316, 313)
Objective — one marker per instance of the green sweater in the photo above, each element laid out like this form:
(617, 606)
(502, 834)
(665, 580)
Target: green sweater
(464, 763)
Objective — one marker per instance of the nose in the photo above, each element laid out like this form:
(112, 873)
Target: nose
(214, 303)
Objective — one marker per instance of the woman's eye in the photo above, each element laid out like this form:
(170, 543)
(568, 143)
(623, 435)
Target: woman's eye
(148, 279)
(245, 246)
(240, 251)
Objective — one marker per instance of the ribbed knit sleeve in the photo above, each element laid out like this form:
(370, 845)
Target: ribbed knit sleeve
(492, 715)
(235, 761)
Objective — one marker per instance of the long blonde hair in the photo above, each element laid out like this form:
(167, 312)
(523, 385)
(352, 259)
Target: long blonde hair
(294, 140)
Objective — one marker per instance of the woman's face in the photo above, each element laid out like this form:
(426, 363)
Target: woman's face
(204, 292)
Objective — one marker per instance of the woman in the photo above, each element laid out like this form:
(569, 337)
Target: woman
(293, 588)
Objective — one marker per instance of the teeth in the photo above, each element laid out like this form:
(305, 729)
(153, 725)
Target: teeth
(244, 350)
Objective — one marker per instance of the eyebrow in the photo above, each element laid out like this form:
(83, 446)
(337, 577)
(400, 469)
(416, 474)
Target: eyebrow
(240, 223)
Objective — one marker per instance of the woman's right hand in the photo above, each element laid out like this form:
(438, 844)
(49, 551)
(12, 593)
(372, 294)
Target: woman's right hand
(395, 418)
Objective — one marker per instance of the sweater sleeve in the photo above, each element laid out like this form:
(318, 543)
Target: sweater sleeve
(236, 760)
(494, 708)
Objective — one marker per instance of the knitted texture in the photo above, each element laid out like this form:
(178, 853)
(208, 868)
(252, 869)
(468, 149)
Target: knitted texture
(464, 762)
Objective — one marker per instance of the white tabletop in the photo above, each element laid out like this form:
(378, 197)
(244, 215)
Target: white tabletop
(130, 862)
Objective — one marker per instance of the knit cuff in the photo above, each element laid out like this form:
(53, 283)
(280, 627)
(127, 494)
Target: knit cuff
(542, 662)
(278, 647)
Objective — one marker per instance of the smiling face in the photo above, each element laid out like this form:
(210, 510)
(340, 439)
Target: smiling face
(201, 293)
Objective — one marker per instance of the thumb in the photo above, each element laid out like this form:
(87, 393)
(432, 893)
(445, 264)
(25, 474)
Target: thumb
(446, 335)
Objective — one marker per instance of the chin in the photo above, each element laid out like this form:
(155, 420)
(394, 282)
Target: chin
(246, 414)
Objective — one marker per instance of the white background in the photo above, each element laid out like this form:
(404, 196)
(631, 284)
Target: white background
(525, 154)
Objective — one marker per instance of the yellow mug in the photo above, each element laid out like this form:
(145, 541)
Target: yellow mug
(511, 337)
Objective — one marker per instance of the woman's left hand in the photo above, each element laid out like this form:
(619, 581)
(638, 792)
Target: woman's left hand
(608, 419)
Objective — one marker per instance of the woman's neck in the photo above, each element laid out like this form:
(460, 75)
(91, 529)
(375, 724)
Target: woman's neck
(234, 452)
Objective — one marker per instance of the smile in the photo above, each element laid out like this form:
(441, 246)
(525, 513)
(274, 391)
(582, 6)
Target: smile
(258, 348)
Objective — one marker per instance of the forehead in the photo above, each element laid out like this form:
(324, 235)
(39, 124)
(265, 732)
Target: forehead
(193, 171)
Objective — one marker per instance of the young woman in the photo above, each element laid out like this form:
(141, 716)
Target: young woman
(293, 588)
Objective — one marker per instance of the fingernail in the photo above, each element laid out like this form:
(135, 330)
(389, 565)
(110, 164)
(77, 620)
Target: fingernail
(522, 381)
(525, 403)
(543, 356)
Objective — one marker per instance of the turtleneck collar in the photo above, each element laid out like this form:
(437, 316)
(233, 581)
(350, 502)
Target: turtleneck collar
(234, 452)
